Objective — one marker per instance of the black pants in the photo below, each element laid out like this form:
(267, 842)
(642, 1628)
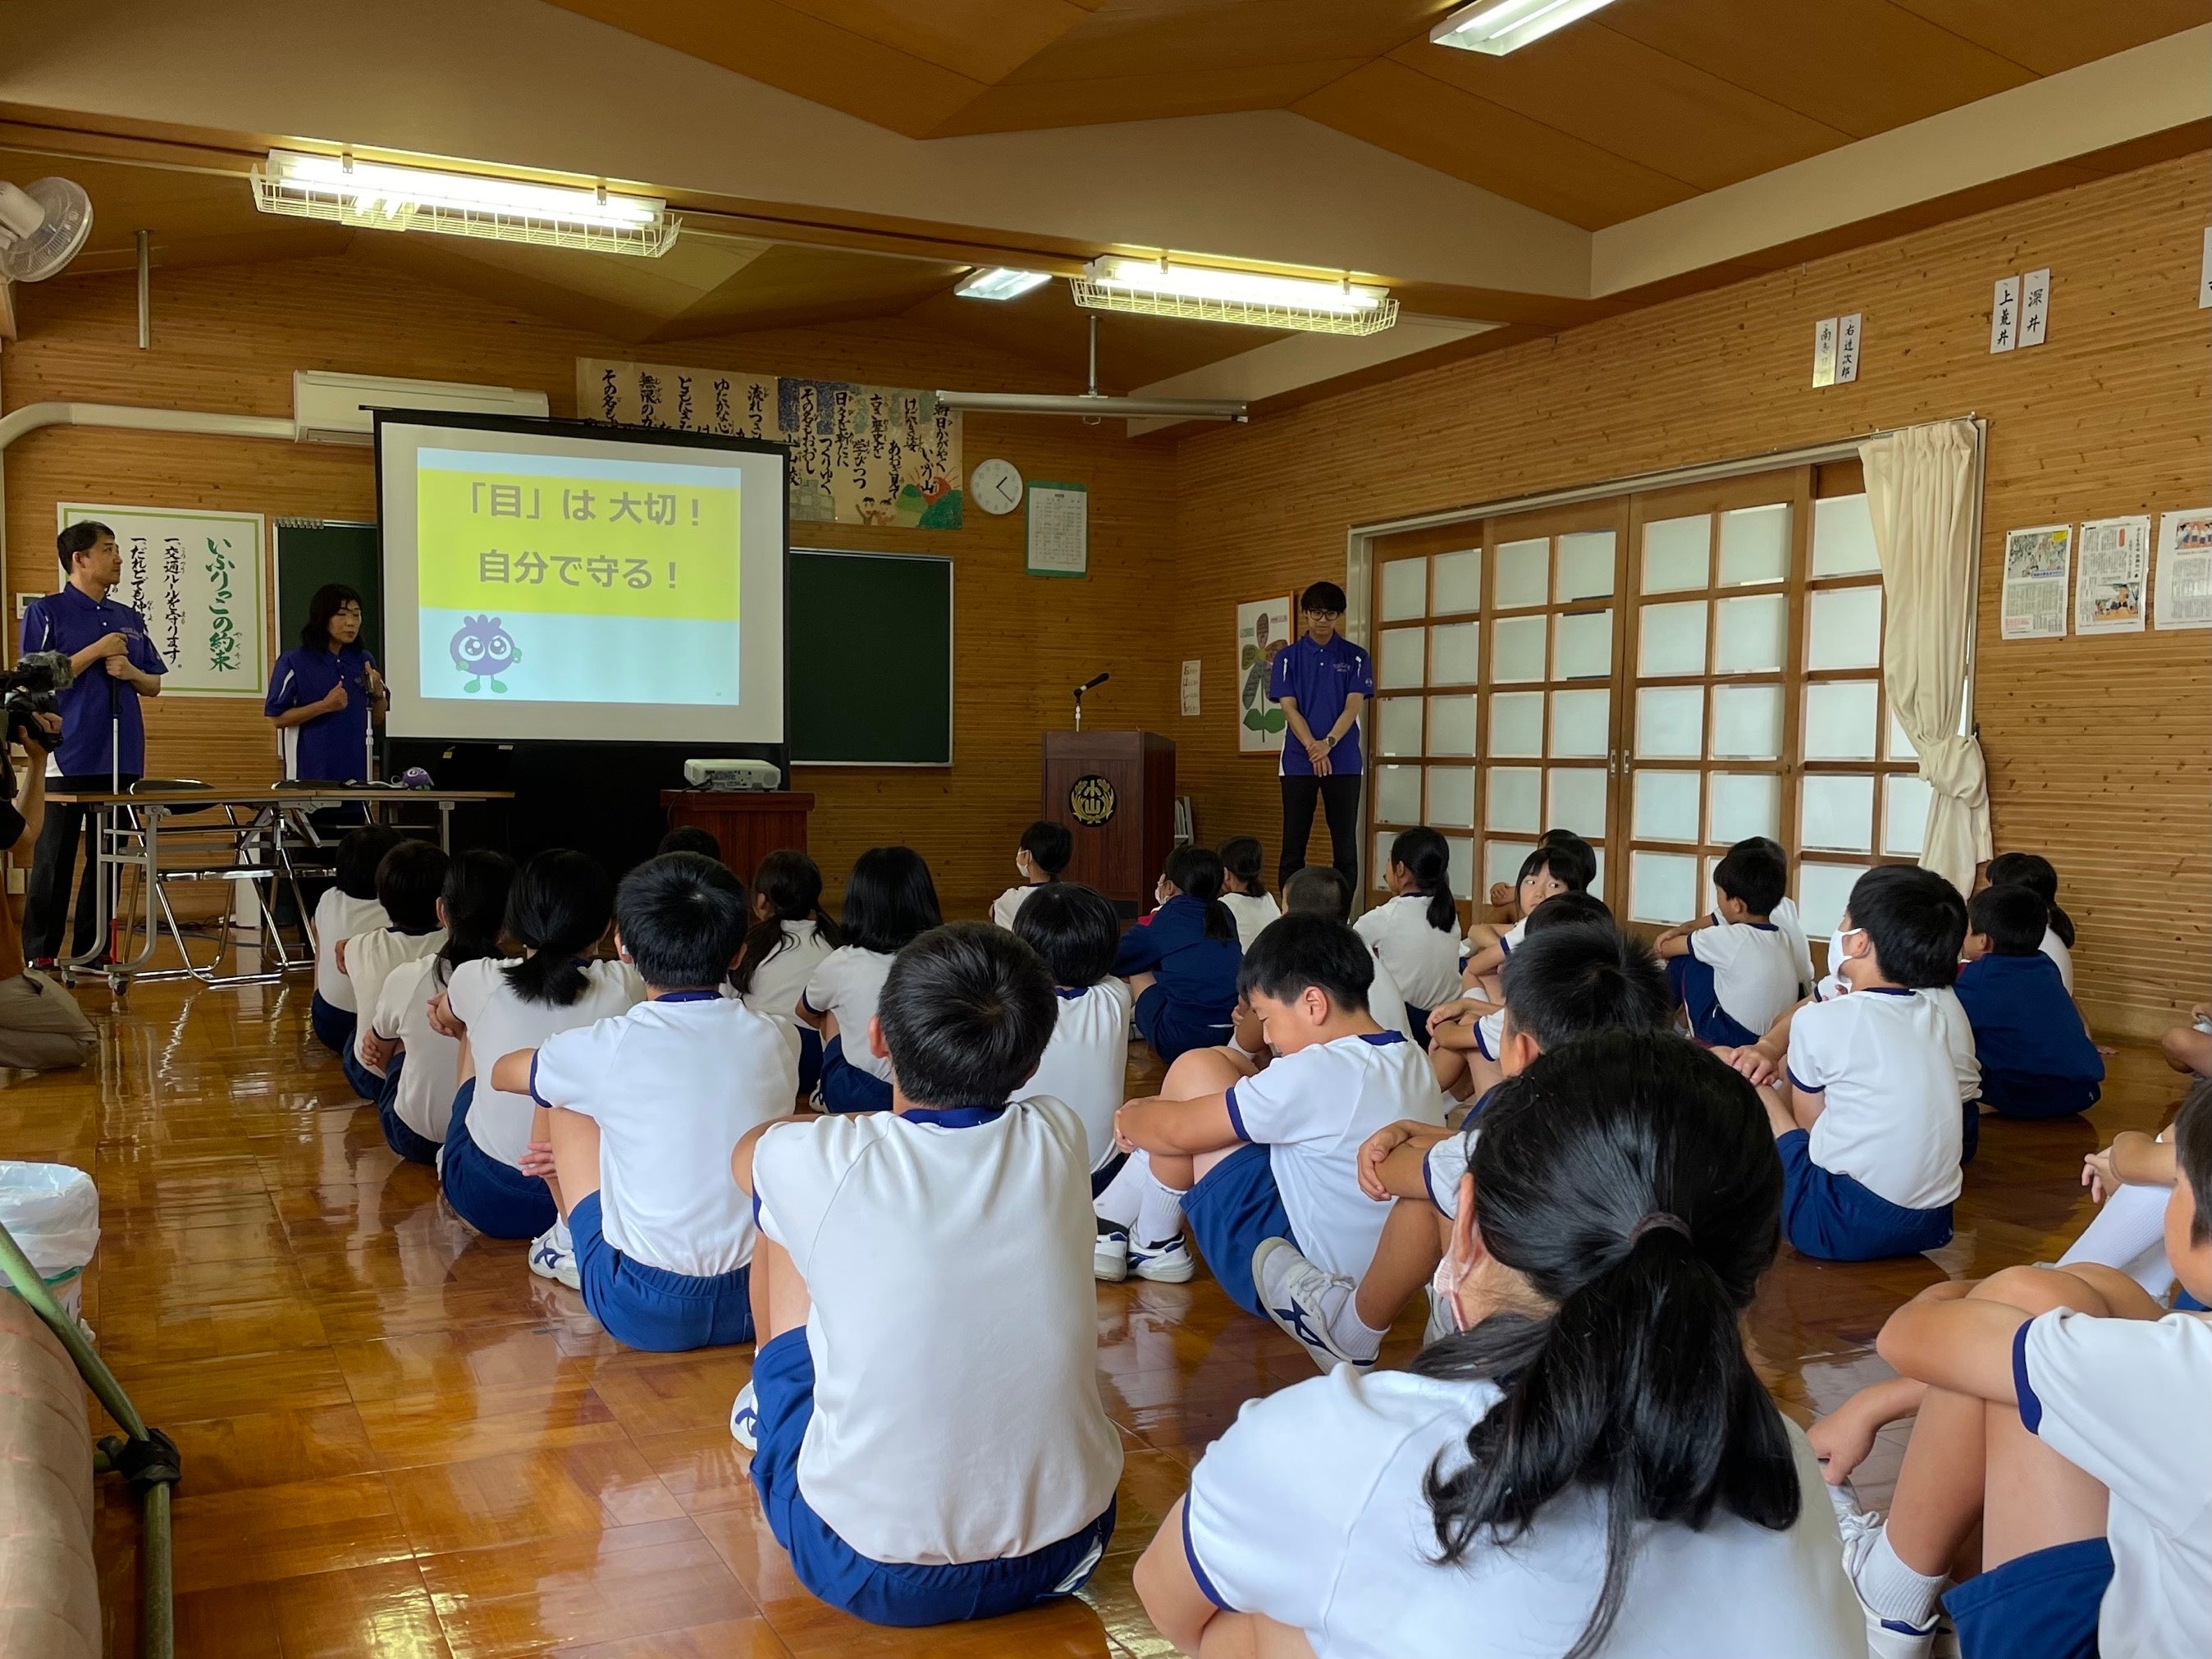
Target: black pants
(46, 897)
(1339, 795)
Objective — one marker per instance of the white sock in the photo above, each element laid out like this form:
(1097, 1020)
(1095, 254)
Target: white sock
(1159, 1213)
(1333, 1299)
(561, 1239)
(1893, 1590)
(2128, 1234)
(1117, 1204)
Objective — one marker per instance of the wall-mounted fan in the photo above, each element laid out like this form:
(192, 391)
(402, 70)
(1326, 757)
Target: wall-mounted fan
(42, 225)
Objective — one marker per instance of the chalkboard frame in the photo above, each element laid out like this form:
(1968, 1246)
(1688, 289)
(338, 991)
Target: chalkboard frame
(951, 665)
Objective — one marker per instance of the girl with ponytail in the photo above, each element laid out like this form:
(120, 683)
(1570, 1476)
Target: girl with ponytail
(1416, 931)
(1245, 888)
(1589, 1466)
(791, 935)
(1181, 961)
(557, 912)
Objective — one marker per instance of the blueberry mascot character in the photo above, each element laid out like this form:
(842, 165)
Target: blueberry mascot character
(482, 648)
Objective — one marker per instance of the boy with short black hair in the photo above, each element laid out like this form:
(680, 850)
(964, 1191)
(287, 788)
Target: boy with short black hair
(1733, 971)
(2036, 1058)
(1318, 890)
(348, 907)
(928, 1439)
(1087, 1063)
(1042, 853)
(644, 1110)
(691, 838)
(408, 880)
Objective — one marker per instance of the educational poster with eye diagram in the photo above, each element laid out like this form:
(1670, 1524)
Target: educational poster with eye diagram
(2185, 569)
(2112, 580)
(196, 578)
(1263, 627)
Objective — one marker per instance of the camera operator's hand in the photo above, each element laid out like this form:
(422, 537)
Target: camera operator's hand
(48, 730)
(335, 701)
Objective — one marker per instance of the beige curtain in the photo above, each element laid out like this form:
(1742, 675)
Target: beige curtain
(1920, 485)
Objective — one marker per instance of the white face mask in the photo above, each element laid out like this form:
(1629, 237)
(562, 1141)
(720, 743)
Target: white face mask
(1160, 896)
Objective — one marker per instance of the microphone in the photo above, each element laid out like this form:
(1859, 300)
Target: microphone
(1088, 685)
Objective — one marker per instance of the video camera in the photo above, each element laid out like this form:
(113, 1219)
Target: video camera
(29, 689)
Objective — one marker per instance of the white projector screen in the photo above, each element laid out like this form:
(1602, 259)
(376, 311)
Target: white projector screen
(551, 580)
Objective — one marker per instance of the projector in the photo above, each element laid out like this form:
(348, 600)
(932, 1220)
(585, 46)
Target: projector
(746, 775)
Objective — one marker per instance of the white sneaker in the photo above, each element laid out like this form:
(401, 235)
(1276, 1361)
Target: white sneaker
(1170, 1263)
(1109, 1258)
(549, 1261)
(745, 1419)
(1293, 1293)
(1886, 1639)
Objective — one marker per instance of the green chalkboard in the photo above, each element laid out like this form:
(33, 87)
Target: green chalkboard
(870, 642)
(312, 552)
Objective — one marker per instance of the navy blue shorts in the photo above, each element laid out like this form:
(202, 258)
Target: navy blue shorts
(2016, 1094)
(1833, 1217)
(1417, 1025)
(1174, 1028)
(888, 1592)
(809, 1058)
(366, 1083)
(333, 1026)
(651, 1307)
(415, 1148)
(1235, 1205)
(846, 1087)
(2039, 1605)
(1696, 990)
(1102, 1176)
(495, 1198)
(1970, 1132)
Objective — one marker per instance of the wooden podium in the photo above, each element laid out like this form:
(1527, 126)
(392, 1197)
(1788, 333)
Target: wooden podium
(1116, 791)
(750, 826)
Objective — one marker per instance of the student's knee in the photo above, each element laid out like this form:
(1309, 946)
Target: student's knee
(1199, 1072)
(2041, 1290)
(2186, 1048)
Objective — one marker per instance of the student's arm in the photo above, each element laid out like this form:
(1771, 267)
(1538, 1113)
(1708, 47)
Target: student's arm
(1391, 1160)
(1842, 1438)
(806, 1013)
(1765, 1061)
(1140, 952)
(338, 956)
(1948, 1338)
(1188, 1127)
(741, 1160)
(2141, 1161)
(1675, 941)
(1163, 1582)
(1451, 1025)
(510, 1073)
(1483, 963)
(1805, 1105)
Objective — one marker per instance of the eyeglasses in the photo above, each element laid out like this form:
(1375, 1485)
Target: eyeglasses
(1326, 616)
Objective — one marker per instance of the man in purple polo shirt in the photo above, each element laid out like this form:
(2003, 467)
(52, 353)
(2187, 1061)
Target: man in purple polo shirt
(1321, 681)
(103, 731)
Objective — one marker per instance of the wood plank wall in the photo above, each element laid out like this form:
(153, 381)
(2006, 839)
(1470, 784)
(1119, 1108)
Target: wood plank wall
(227, 339)
(2100, 750)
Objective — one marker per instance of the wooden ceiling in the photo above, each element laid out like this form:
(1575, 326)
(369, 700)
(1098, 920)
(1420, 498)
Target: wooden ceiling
(1643, 105)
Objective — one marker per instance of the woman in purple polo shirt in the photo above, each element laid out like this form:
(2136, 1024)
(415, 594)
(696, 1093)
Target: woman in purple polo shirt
(324, 691)
(1321, 681)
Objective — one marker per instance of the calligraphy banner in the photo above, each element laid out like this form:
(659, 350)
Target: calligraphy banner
(196, 578)
(859, 454)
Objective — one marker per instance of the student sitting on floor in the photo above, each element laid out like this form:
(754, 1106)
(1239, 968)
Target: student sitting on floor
(2062, 1411)
(2036, 1058)
(1466, 1045)
(1416, 930)
(1042, 853)
(2034, 872)
(1573, 976)
(1250, 1158)
(1785, 918)
(421, 1071)
(643, 1110)
(2131, 1180)
(691, 838)
(2189, 1048)
(1319, 890)
(408, 883)
(1562, 862)
(1589, 1464)
(790, 936)
(347, 906)
(1866, 1110)
(927, 1436)
(1086, 1064)
(557, 913)
(1733, 971)
(889, 900)
(1244, 888)
(1182, 964)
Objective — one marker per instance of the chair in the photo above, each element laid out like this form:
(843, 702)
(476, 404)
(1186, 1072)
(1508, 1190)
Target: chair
(238, 841)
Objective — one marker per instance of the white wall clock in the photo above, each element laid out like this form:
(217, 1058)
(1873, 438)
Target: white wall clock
(996, 486)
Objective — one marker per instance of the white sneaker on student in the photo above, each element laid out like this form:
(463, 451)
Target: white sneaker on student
(1301, 1299)
(549, 1259)
(745, 1419)
(1886, 1639)
(1109, 1258)
(1170, 1263)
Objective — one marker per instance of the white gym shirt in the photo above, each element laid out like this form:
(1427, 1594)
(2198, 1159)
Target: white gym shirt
(848, 983)
(1883, 1056)
(500, 1023)
(1086, 1064)
(1424, 960)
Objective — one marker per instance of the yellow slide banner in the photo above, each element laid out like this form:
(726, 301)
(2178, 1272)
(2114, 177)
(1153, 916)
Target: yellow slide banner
(489, 541)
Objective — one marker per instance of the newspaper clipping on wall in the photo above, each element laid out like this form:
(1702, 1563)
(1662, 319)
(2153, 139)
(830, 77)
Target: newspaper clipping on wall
(2185, 569)
(2035, 570)
(2112, 583)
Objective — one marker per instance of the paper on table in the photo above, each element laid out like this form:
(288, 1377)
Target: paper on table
(2184, 568)
(2036, 563)
(2111, 586)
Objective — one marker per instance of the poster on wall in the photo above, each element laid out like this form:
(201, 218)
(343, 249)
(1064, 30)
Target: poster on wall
(2111, 590)
(196, 578)
(1263, 627)
(2036, 562)
(2185, 569)
(859, 454)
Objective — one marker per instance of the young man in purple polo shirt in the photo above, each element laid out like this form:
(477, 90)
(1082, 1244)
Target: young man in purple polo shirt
(103, 734)
(1321, 681)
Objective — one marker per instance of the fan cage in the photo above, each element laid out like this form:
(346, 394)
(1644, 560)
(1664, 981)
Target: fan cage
(304, 201)
(1146, 303)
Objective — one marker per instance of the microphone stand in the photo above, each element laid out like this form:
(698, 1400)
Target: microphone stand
(104, 872)
(1078, 708)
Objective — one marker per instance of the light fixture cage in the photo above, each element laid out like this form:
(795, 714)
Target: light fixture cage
(306, 199)
(1256, 313)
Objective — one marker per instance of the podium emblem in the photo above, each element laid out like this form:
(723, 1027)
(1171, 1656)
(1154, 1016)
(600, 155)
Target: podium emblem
(1090, 800)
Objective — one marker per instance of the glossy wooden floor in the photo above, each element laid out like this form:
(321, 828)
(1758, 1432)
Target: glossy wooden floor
(398, 1442)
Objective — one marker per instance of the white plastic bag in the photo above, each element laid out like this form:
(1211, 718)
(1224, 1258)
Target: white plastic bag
(53, 1213)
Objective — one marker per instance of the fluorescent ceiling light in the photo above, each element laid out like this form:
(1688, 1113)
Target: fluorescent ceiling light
(1163, 288)
(383, 196)
(1000, 282)
(1498, 27)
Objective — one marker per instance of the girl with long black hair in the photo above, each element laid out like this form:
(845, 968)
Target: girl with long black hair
(890, 901)
(790, 936)
(1416, 931)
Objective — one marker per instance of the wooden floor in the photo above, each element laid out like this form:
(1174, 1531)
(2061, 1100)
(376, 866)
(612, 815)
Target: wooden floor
(397, 1441)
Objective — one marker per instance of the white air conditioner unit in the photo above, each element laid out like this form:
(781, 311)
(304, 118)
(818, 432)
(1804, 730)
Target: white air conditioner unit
(334, 409)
